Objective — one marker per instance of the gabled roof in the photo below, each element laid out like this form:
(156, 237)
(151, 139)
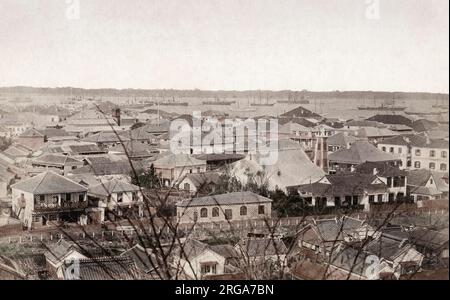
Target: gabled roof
(201, 179)
(300, 112)
(112, 187)
(374, 132)
(360, 152)
(416, 140)
(108, 268)
(105, 137)
(134, 149)
(341, 139)
(343, 184)
(56, 160)
(384, 169)
(177, 160)
(235, 198)
(57, 252)
(391, 119)
(49, 183)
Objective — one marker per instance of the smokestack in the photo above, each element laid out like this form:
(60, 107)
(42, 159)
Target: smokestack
(116, 115)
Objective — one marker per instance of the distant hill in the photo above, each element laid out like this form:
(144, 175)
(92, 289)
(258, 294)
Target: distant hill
(76, 92)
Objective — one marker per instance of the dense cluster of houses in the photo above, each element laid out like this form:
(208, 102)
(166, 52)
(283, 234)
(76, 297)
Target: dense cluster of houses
(80, 166)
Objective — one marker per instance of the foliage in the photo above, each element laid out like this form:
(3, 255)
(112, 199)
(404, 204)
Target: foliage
(147, 179)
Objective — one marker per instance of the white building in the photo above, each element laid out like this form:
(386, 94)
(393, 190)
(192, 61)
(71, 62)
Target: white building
(238, 206)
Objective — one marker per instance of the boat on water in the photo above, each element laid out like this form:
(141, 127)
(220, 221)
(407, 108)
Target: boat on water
(382, 108)
(173, 103)
(303, 101)
(218, 102)
(387, 105)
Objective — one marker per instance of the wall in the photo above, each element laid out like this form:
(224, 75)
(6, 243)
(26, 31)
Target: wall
(186, 214)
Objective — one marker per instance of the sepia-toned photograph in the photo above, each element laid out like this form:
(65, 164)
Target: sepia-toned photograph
(224, 141)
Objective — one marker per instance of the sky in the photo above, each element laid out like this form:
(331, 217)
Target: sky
(318, 45)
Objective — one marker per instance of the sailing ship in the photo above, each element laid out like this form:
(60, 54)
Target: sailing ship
(388, 105)
(294, 100)
(173, 103)
(217, 101)
(261, 103)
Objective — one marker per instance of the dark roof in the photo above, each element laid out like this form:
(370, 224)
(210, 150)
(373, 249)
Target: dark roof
(419, 177)
(423, 125)
(351, 260)
(108, 268)
(49, 183)
(300, 112)
(384, 169)
(225, 199)
(109, 168)
(359, 152)
(392, 119)
(106, 137)
(86, 149)
(386, 247)
(343, 184)
(416, 140)
(134, 149)
(201, 179)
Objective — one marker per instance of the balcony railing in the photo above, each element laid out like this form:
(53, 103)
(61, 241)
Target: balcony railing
(62, 207)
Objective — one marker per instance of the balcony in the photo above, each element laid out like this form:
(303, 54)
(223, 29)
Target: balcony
(54, 207)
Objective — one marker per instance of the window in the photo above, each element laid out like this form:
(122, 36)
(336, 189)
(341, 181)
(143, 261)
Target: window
(195, 216)
(391, 149)
(389, 181)
(417, 165)
(203, 213)
(444, 154)
(417, 152)
(432, 166)
(228, 214)
(355, 200)
(391, 197)
(135, 197)
(397, 181)
(119, 197)
(408, 163)
(402, 181)
(371, 198)
(432, 153)
(243, 210)
(68, 197)
(261, 210)
(80, 197)
(400, 150)
(187, 187)
(380, 198)
(208, 269)
(443, 167)
(215, 212)
(384, 149)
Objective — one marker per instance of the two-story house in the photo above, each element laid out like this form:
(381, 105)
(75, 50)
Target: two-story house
(418, 151)
(173, 167)
(47, 198)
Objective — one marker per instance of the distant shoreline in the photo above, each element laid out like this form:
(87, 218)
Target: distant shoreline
(107, 92)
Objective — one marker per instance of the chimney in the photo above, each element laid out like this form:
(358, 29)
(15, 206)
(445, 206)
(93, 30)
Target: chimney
(321, 151)
(116, 115)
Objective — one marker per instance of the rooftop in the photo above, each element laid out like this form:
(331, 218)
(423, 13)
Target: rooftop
(49, 183)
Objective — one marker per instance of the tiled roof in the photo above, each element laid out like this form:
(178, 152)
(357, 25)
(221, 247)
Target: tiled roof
(113, 186)
(58, 160)
(343, 184)
(200, 179)
(49, 183)
(416, 140)
(359, 152)
(134, 149)
(225, 199)
(108, 268)
(341, 139)
(384, 169)
(177, 160)
(105, 137)
(261, 247)
(374, 132)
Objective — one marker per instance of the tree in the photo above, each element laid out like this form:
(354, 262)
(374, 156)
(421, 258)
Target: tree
(147, 179)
